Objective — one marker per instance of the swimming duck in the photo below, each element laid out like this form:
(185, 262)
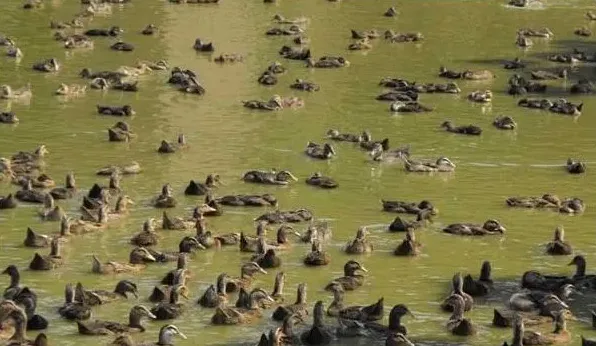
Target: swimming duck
(275, 103)
(327, 62)
(546, 75)
(100, 297)
(291, 216)
(575, 167)
(370, 34)
(147, 237)
(457, 283)
(464, 130)
(200, 189)
(318, 334)
(120, 132)
(363, 44)
(391, 12)
(248, 200)
(458, 324)
(201, 46)
(110, 32)
(583, 31)
(165, 199)
(300, 84)
(394, 326)
(350, 281)
(317, 179)
(42, 181)
(299, 308)
(131, 168)
(368, 313)
(122, 46)
(397, 339)
(137, 259)
(167, 148)
(281, 31)
(228, 58)
(482, 286)
(490, 227)
(125, 110)
(317, 257)
(247, 272)
(50, 211)
(36, 240)
(359, 244)
(166, 336)
(14, 289)
(78, 42)
(481, 96)
(514, 64)
(8, 118)
(267, 78)
(317, 230)
(401, 225)
(409, 107)
(8, 93)
(404, 96)
(504, 123)
(230, 316)
(49, 65)
(150, 29)
(283, 20)
(8, 202)
(317, 151)
(14, 52)
(74, 23)
(558, 246)
(215, 294)
(100, 84)
(72, 310)
(343, 137)
(49, 262)
(126, 86)
(28, 194)
(99, 327)
(267, 260)
(172, 309)
(277, 293)
(559, 335)
(403, 37)
(269, 177)
(545, 201)
(175, 276)
(295, 53)
(541, 302)
(71, 90)
(442, 164)
(409, 246)
(583, 86)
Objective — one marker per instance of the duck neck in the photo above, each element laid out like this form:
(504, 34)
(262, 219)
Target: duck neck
(64, 228)
(580, 270)
(221, 285)
(69, 294)
(253, 303)
(338, 299)
(165, 338)
(518, 333)
(301, 295)
(395, 321)
(134, 321)
(120, 205)
(318, 320)
(210, 181)
(15, 278)
(174, 296)
(485, 272)
(261, 230)
(281, 236)
(278, 287)
(55, 251)
(70, 182)
(200, 225)
(288, 327)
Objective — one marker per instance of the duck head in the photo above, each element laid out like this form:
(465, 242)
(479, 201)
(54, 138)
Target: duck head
(443, 161)
(278, 286)
(188, 245)
(54, 65)
(137, 313)
(447, 125)
(494, 226)
(167, 333)
(282, 233)
(352, 266)
(213, 179)
(332, 133)
(318, 312)
(251, 268)
(329, 150)
(277, 101)
(125, 286)
(6, 91)
(361, 233)
(285, 176)
(148, 225)
(140, 255)
(257, 295)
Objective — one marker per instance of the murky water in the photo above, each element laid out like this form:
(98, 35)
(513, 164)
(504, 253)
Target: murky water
(227, 139)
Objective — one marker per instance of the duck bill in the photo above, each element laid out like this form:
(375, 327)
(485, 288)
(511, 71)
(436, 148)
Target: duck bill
(208, 209)
(182, 335)
(363, 269)
(149, 257)
(297, 234)
(502, 229)
(261, 270)
(131, 202)
(292, 176)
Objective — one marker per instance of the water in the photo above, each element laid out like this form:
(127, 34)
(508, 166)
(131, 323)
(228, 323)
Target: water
(227, 139)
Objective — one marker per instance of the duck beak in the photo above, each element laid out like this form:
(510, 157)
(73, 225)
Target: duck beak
(130, 201)
(149, 257)
(151, 315)
(363, 269)
(135, 293)
(262, 270)
(502, 229)
(207, 209)
(292, 176)
(297, 234)
(182, 335)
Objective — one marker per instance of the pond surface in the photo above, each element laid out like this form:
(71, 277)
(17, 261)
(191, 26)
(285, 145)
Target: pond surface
(227, 139)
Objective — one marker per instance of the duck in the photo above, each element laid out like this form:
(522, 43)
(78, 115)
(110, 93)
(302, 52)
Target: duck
(404, 96)
(201, 46)
(547, 75)
(267, 260)
(228, 58)
(295, 53)
(8, 202)
(110, 32)
(248, 200)
(370, 34)
(482, 286)
(541, 302)
(317, 257)
(299, 308)
(395, 315)
(78, 42)
(363, 44)
(505, 123)
(247, 272)
(359, 244)
(49, 262)
(122, 46)
(49, 65)
(147, 237)
(583, 31)
(240, 315)
(101, 297)
(401, 225)
(300, 84)
(338, 300)
(283, 20)
(128, 169)
(391, 12)
(150, 29)
(50, 211)
(200, 189)
(132, 86)
(137, 259)
(458, 324)
(125, 110)
(267, 78)
(42, 181)
(465, 130)
(282, 241)
(351, 280)
(74, 23)
(273, 104)
(277, 293)
(481, 96)
(84, 227)
(398, 339)
(269, 177)
(71, 90)
(442, 164)
(100, 83)
(23, 296)
(28, 194)
(575, 167)
(490, 227)
(281, 31)
(36, 240)
(175, 223)
(409, 107)
(8, 118)
(409, 246)
(72, 310)
(99, 327)
(336, 135)
(291, 216)
(317, 151)
(166, 336)
(403, 37)
(8, 93)
(514, 64)
(167, 148)
(185, 247)
(558, 246)
(318, 334)
(319, 180)
(523, 41)
(162, 293)
(327, 62)
(9, 309)
(165, 199)
(215, 294)
(458, 290)
(172, 309)
(373, 312)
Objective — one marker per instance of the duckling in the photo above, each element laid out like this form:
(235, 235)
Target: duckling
(72, 310)
(8, 202)
(360, 244)
(137, 259)
(165, 199)
(317, 179)
(8, 93)
(240, 315)
(504, 123)
(575, 167)
(172, 309)
(147, 237)
(122, 46)
(350, 281)
(558, 246)
(458, 324)
(99, 327)
(409, 246)
(318, 334)
(48, 65)
(299, 307)
(150, 29)
(27, 194)
(215, 295)
(391, 12)
(490, 227)
(464, 130)
(247, 272)
(167, 148)
(201, 46)
(317, 151)
(125, 110)
(317, 257)
(49, 262)
(100, 297)
(110, 32)
(128, 169)
(458, 290)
